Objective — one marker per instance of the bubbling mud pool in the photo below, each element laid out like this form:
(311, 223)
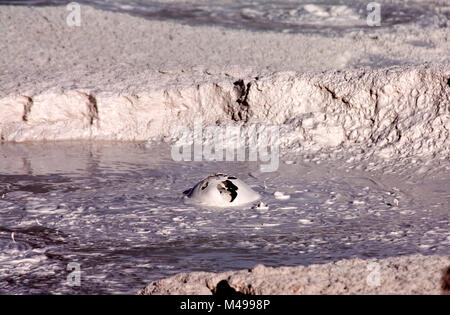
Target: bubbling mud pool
(116, 210)
(299, 16)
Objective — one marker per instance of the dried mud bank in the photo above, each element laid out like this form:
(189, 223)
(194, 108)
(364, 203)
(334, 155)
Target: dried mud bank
(120, 77)
(398, 111)
(415, 274)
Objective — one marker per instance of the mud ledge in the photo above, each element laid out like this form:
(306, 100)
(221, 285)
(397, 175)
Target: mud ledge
(415, 274)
